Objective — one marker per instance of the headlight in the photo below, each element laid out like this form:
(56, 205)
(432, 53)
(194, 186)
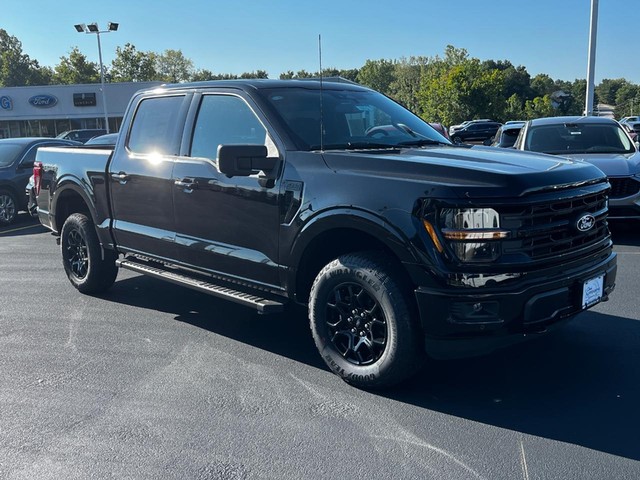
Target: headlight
(473, 233)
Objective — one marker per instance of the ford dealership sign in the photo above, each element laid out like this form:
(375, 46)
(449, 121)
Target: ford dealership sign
(6, 103)
(43, 101)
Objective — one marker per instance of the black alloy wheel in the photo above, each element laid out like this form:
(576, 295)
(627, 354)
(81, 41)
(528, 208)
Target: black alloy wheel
(8, 208)
(89, 268)
(356, 323)
(363, 320)
(76, 255)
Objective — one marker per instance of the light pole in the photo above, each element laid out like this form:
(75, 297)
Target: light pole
(93, 28)
(591, 62)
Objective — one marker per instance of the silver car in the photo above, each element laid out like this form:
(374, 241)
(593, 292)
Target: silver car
(599, 141)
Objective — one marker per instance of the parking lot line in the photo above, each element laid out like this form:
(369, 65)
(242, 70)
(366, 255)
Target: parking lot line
(19, 229)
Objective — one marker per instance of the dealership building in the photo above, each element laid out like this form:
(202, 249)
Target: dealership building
(47, 111)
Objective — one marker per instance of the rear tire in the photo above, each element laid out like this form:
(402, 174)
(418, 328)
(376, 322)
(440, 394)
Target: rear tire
(8, 207)
(82, 256)
(361, 321)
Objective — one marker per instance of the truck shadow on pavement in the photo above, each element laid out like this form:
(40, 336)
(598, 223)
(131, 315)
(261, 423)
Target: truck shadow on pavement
(287, 334)
(579, 385)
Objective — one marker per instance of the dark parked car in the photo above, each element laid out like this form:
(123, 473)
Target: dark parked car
(475, 131)
(506, 135)
(82, 135)
(16, 165)
(455, 128)
(597, 140)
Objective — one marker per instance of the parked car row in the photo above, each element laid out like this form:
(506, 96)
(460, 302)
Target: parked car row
(16, 166)
(603, 142)
(597, 140)
(16, 169)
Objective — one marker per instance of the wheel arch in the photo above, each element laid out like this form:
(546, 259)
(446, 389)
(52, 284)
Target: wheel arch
(336, 233)
(70, 198)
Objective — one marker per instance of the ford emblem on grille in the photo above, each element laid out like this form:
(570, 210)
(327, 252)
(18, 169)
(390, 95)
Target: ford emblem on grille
(586, 223)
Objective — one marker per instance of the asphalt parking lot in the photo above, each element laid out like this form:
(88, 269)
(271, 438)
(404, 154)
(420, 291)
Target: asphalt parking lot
(155, 381)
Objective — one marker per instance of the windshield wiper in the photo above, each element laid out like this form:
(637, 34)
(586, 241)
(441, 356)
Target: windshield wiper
(422, 142)
(355, 146)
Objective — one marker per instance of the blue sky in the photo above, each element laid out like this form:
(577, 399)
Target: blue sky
(545, 36)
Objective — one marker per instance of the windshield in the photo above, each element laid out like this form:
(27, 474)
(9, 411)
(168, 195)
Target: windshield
(351, 120)
(9, 152)
(570, 138)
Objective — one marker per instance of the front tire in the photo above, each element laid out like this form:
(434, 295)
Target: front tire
(8, 207)
(82, 257)
(361, 321)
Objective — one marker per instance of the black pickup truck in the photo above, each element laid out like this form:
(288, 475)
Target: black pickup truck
(331, 195)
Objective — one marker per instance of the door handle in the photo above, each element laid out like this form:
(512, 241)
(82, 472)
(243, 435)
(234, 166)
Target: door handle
(186, 183)
(121, 177)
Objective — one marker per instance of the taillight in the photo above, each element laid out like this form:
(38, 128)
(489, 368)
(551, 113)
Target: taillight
(37, 176)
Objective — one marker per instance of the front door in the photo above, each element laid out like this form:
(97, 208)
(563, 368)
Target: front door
(226, 226)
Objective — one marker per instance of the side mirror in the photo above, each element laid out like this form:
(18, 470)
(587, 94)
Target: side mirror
(488, 141)
(245, 160)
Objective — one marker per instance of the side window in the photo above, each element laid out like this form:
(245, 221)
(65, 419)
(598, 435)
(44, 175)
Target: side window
(225, 120)
(156, 126)
(29, 158)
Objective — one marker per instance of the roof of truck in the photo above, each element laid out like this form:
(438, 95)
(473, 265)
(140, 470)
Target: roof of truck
(310, 83)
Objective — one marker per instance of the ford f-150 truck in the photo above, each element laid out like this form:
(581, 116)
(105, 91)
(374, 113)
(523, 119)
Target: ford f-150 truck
(331, 195)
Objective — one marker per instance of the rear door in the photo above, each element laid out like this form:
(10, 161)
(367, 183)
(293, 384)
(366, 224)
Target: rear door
(227, 226)
(140, 176)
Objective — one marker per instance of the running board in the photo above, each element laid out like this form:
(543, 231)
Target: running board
(262, 305)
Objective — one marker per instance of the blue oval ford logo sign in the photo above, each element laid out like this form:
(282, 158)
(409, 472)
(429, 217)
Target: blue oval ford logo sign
(43, 101)
(585, 223)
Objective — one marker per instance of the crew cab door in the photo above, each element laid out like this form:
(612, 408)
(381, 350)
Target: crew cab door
(140, 176)
(226, 226)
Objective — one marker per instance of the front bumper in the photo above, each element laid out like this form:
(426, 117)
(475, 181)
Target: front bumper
(466, 321)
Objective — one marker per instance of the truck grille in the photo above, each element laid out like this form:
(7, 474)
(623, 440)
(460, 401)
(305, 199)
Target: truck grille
(548, 229)
(623, 187)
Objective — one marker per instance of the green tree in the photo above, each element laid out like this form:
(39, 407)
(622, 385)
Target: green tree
(174, 67)
(539, 107)
(627, 100)
(131, 65)
(16, 67)
(255, 74)
(454, 56)
(405, 85)
(76, 69)
(542, 84)
(578, 91)
(377, 74)
(608, 89)
(453, 92)
(514, 108)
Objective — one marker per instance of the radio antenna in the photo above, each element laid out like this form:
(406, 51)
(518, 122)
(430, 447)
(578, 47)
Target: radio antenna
(321, 110)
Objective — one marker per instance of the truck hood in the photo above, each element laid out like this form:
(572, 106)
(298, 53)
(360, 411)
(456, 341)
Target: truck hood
(613, 165)
(479, 172)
